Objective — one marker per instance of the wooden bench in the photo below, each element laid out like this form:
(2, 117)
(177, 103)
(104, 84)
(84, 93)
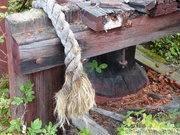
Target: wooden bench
(35, 53)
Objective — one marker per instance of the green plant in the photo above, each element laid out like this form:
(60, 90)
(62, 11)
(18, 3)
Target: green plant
(168, 47)
(17, 126)
(84, 131)
(94, 65)
(144, 124)
(27, 94)
(19, 5)
(36, 127)
(3, 15)
(172, 116)
(4, 101)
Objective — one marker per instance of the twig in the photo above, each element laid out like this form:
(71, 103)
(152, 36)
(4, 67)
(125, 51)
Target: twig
(3, 61)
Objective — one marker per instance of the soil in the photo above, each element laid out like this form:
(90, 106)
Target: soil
(160, 91)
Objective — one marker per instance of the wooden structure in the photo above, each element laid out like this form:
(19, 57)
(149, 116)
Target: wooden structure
(35, 53)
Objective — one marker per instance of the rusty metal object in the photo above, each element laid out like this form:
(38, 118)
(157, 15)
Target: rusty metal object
(123, 61)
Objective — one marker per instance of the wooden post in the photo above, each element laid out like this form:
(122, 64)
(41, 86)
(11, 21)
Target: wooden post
(46, 82)
(3, 52)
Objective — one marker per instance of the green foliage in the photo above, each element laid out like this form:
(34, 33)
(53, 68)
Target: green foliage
(144, 124)
(84, 131)
(4, 101)
(94, 65)
(51, 129)
(2, 15)
(16, 126)
(15, 6)
(172, 116)
(28, 94)
(1, 39)
(168, 47)
(36, 127)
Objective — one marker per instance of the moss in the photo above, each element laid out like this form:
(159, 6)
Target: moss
(150, 54)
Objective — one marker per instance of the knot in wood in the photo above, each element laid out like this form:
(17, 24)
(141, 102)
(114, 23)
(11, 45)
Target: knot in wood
(39, 60)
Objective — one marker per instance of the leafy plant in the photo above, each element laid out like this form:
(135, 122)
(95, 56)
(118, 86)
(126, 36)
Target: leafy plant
(144, 124)
(27, 94)
(3, 15)
(4, 101)
(94, 65)
(36, 127)
(172, 116)
(168, 47)
(51, 129)
(84, 131)
(19, 5)
(17, 126)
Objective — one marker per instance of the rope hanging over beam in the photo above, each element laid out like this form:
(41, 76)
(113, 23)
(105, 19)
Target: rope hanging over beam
(76, 97)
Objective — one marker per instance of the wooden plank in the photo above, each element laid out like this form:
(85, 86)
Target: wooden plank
(110, 114)
(162, 68)
(90, 125)
(153, 28)
(100, 18)
(46, 84)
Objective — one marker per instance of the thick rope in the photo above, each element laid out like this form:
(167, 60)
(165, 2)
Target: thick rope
(76, 97)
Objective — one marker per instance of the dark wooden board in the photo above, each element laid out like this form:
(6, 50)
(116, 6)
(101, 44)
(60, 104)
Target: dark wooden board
(154, 8)
(163, 9)
(93, 43)
(142, 5)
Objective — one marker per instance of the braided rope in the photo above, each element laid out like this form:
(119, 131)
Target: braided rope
(76, 97)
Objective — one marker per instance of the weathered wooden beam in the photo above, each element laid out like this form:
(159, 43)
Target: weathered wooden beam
(92, 43)
(107, 15)
(90, 124)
